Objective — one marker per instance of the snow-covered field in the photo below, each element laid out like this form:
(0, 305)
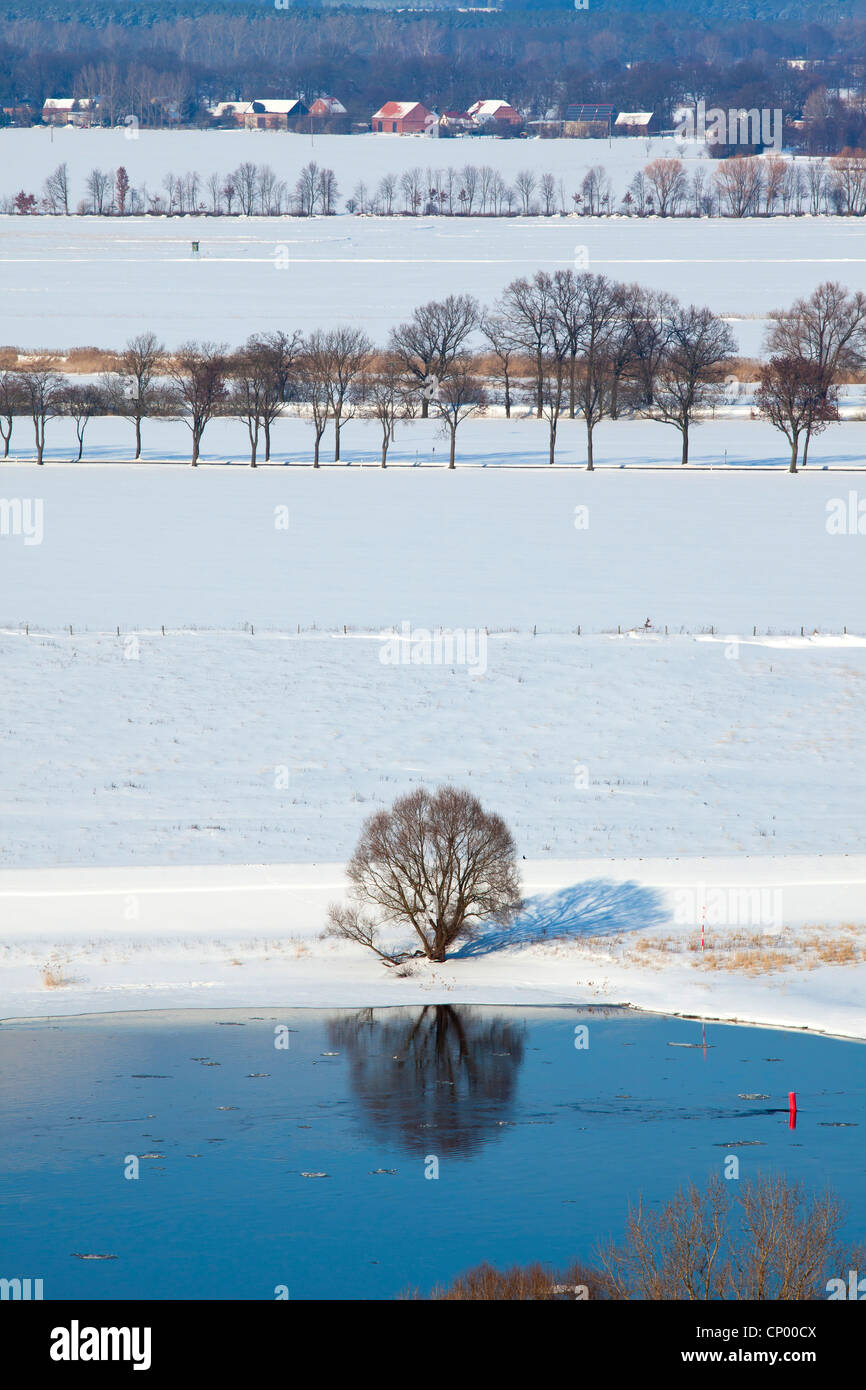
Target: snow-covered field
(232, 748)
(74, 281)
(497, 548)
(207, 748)
(730, 438)
(142, 774)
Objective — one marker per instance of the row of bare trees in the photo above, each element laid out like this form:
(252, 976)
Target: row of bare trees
(742, 186)
(250, 190)
(570, 344)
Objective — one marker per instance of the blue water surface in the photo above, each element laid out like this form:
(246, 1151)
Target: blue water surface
(539, 1143)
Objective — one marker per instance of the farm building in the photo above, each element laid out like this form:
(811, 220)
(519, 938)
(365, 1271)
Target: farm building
(588, 118)
(327, 106)
(403, 118)
(273, 115)
(77, 111)
(456, 121)
(484, 112)
(635, 123)
(267, 114)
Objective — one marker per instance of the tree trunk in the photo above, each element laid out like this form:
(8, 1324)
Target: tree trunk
(453, 448)
(40, 441)
(614, 397)
(552, 441)
(336, 439)
(685, 433)
(795, 446)
(806, 447)
(572, 367)
(196, 437)
(507, 396)
(385, 450)
(539, 390)
(425, 408)
(589, 463)
(138, 436)
(316, 451)
(267, 441)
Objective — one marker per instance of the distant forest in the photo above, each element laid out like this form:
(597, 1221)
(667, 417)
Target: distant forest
(164, 62)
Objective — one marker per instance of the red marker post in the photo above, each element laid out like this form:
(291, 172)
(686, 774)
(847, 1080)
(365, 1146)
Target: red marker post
(792, 1109)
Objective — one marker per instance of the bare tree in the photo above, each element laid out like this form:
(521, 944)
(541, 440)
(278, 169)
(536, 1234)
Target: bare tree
(280, 351)
(437, 862)
(769, 1239)
(251, 385)
(57, 190)
(689, 374)
(99, 184)
(41, 388)
(345, 354)
(80, 404)
(384, 392)
(198, 372)
(739, 182)
(796, 397)
(497, 329)
(594, 379)
(458, 397)
(669, 183)
(646, 330)
(432, 339)
(525, 187)
(134, 389)
(313, 374)
(527, 306)
(827, 330)
(12, 403)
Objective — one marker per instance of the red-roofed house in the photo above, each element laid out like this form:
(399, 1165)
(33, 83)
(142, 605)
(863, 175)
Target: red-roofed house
(402, 118)
(494, 110)
(327, 106)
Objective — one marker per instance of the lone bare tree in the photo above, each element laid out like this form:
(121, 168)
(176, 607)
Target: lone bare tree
(437, 862)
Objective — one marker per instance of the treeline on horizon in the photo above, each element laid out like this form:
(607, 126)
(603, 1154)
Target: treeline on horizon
(163, 64)
(745, 186)
(570, 344)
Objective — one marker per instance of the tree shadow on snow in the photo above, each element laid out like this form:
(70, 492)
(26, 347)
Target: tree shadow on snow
(599, 907)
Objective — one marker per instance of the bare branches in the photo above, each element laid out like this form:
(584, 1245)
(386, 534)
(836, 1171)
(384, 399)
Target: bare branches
(437, 862)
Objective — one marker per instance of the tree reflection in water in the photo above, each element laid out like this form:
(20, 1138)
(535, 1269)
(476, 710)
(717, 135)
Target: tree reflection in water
(439, 1079)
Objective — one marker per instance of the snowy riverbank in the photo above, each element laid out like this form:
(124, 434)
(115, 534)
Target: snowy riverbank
(82, 941)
